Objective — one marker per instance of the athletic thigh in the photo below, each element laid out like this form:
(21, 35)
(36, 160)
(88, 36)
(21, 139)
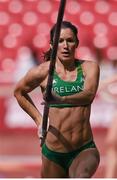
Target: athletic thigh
(85, 164)
(51, 169)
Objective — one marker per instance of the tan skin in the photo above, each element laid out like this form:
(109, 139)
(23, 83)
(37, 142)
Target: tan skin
(70, 123)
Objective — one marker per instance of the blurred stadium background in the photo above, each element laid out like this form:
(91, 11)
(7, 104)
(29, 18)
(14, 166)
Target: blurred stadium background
(24, 36)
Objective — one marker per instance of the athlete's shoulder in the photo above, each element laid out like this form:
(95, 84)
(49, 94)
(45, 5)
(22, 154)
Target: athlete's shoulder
(39, 71)
(44, 66)
(90, 63)
(90, 66)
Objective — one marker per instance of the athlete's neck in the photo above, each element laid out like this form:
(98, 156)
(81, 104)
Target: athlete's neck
(65, 65)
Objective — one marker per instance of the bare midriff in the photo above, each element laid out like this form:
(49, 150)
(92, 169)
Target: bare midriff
(70, 128)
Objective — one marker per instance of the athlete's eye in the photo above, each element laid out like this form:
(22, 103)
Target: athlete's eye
(61, 40)
(70, 40)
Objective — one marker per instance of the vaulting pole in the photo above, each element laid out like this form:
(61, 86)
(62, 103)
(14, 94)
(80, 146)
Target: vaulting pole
(52, 67)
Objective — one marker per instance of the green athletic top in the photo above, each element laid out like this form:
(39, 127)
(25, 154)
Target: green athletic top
(66, 88)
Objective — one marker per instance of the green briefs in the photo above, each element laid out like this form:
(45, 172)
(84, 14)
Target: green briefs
(65, 159)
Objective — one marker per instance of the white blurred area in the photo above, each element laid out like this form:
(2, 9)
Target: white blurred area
(16, 117)
(24, 36)
(105, 105)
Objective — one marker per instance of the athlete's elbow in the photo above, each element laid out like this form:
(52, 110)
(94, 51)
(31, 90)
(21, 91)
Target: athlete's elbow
(17, 92)
(91, 97)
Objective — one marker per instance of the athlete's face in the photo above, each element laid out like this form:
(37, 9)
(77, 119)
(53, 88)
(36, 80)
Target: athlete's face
(67, 45)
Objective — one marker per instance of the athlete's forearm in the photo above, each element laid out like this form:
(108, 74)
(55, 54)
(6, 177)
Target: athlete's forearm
(82, 98)
(28, 106)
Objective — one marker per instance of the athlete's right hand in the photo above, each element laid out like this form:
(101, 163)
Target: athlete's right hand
(39, 132)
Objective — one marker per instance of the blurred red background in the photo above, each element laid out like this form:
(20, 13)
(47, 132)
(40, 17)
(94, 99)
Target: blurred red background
(24, 36)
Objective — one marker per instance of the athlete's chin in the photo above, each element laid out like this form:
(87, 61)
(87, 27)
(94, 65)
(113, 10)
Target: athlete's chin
(65, 58)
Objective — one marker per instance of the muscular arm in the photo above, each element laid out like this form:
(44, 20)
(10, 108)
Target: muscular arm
(86, 97)
(31, 80)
